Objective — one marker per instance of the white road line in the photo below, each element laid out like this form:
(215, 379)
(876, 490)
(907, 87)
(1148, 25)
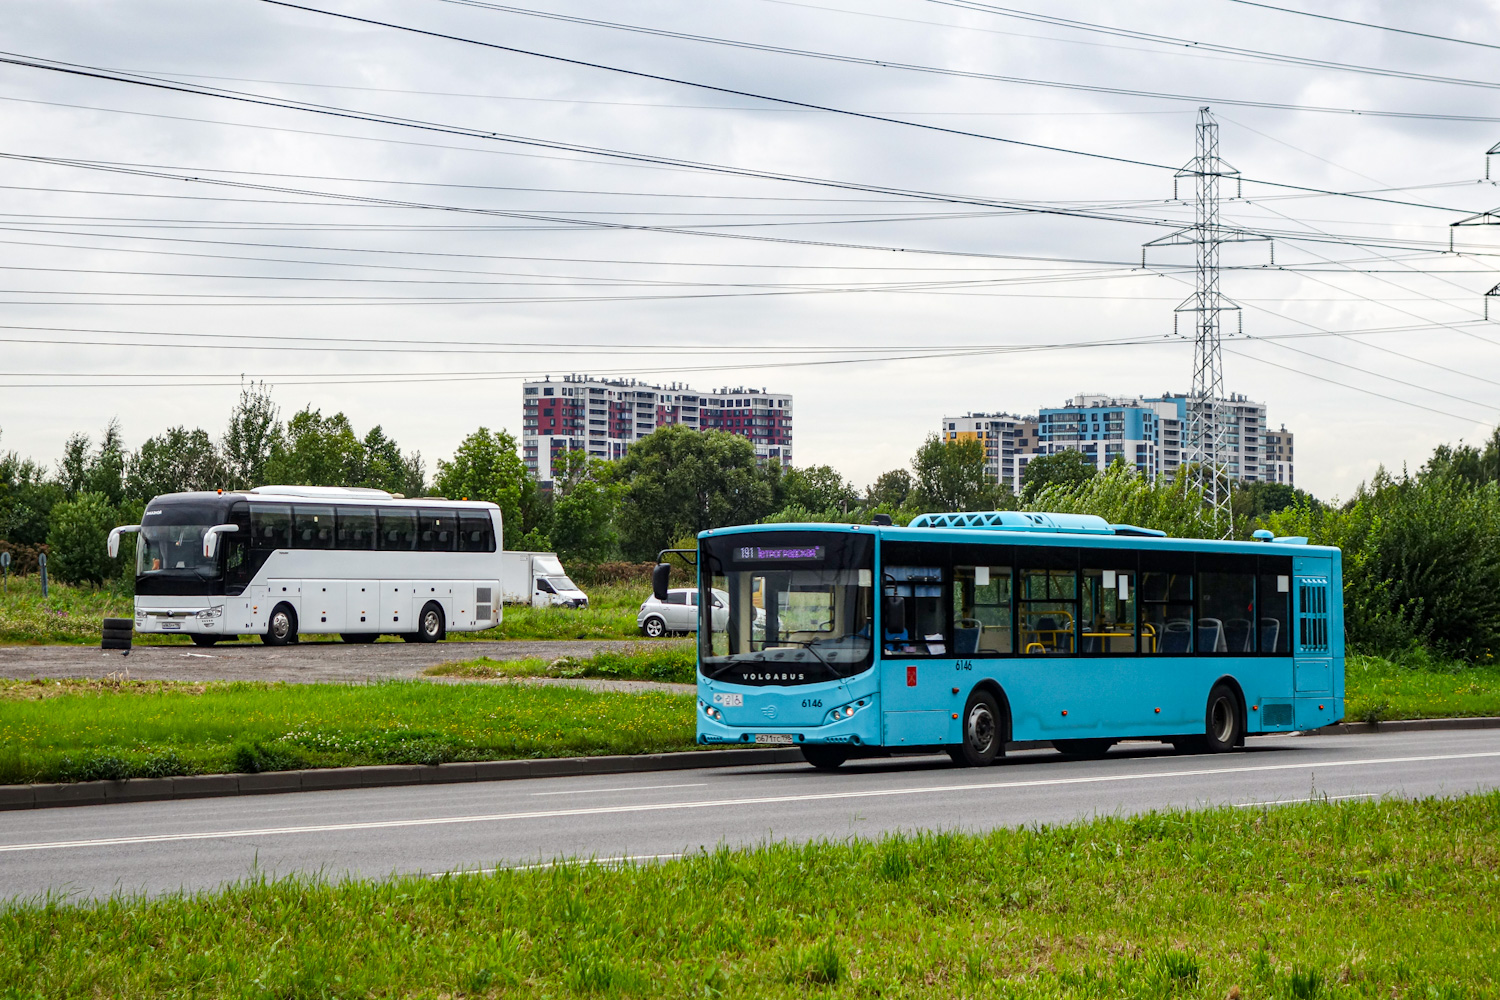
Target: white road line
(822, 796)
(619, 860)
(1310, 798)
(627, 788)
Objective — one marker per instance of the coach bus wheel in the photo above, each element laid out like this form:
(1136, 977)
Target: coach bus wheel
(1223, 725)
(357, 637)
(430, 623)
(1084, 749)
(824, 758)
(654, 627)
(205, 640)
(282, 628)
(982, 736)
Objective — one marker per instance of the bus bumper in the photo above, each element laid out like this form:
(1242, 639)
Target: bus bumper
(180, 615)
(860, 729)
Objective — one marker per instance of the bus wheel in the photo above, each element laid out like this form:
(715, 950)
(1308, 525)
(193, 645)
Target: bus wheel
(282, 628)
(1084, 749)
(430, 623)
(205, 640)
(358, 637)
(1223, 723)
(982, 737)
(824, 757)
(654, 627)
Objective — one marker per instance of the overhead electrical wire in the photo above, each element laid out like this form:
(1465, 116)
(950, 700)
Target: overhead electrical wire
(1367, 24)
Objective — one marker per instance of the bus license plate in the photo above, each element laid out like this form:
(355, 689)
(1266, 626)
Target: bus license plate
(167, 625)
(773, 738)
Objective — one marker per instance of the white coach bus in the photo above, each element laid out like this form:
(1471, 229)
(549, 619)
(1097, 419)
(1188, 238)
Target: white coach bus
(278, 560)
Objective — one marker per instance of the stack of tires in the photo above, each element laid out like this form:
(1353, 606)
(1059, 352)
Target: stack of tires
(117, 633)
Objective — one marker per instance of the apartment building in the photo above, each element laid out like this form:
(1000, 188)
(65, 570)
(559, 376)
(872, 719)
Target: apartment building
(1147, 433)
(603, 417)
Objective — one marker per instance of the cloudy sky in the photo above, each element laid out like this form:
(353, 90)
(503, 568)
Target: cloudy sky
(401, 226)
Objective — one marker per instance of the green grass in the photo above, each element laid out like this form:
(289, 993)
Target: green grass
(88, 730)
(673, 662)
(74, 615)
(1417, 687)
(1310, 902)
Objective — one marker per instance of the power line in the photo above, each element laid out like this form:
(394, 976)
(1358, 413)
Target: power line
(1367, 24)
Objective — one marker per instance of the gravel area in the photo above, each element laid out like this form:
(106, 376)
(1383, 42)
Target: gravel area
(305, 663)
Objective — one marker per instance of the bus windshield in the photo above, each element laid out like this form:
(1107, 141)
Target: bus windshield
(171, 541)
(799, 606)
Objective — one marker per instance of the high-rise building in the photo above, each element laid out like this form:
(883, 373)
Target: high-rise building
(1146, 433)
(604, 417)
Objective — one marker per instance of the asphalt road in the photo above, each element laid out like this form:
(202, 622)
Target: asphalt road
(307, 662)
(161, 846)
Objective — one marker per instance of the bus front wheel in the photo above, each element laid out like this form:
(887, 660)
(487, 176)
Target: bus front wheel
(282, 626)
(824, 758)
(983, 736)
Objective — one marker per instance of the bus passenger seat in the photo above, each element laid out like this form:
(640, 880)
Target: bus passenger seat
(1211, 636)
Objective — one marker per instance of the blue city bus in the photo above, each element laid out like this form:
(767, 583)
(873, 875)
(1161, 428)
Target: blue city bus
(961, 633)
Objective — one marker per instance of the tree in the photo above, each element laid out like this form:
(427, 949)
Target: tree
(94, 470)
(175, 462)
(1475, 465)
(890, 489)
(951, 476)
(817, 488)
(316, 451)
(1259, 500)
(583, 521)
(77, 539)
(679, 482)
(253, 434)
(383, 467)
(486, 466)
(26, 499)
(1063, 468)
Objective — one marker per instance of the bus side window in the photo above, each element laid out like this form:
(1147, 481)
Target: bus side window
(1273, 596)
(926, 626)
(982, 611)
(1048, 601)
(436, 530)
(476, 531)
(356, 528)
(1109, 594)
(398, 529)
(1226, 604)
(312, 527)
(1166, 599)
(270, 526)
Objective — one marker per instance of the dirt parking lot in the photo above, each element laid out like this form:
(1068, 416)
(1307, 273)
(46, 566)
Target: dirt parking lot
(251, 661)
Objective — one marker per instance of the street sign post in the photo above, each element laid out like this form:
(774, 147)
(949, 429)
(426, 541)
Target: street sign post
(41, 565)
(5, 569)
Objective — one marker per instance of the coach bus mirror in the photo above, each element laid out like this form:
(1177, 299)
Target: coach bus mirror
(211, 538)
(659, 577)
(114, 538)
(893, 611)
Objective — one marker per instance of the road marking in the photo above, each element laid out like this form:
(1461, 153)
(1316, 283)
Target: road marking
(822, 796)
(1310, 798)
(627, 788)
(541, 865)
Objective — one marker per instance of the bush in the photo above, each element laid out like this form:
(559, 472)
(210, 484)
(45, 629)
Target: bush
(77, 538)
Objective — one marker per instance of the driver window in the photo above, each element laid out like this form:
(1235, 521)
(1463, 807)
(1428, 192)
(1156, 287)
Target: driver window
(920, 589)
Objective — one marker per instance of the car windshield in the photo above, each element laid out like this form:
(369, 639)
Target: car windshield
(171, 540)
(798, 606)
(561, 583)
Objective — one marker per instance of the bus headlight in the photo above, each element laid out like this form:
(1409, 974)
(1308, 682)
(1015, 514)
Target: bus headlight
(846, 711)
(209, 613)
(712, 713)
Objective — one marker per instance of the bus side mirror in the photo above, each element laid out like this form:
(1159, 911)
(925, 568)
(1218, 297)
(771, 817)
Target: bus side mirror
(114, 538)
(893, 614)
(659, 577)
(211, 538)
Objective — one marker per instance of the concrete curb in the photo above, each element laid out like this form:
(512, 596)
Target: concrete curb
(197, 786)
(200, 786)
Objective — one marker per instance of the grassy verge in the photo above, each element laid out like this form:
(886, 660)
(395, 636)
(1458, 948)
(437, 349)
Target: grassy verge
(1376, 688)
(674, 662)
(1390, 899)
(74, 615)
(88, 730)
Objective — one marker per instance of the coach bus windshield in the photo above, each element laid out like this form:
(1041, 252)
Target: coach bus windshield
(170, 546)
(800, 606)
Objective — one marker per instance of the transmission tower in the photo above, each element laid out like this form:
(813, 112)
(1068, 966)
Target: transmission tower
(1204, 445)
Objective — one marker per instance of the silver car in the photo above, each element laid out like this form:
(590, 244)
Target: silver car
(679, 612)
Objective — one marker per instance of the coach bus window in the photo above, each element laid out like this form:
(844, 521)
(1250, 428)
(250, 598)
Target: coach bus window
(398, 529)
(356, 529)
(982, 602)
(1108, 624)
(925, 631)
(312, 527)
(436, 531)
(1226, 604)
(1166, 596)
(1049, 601)
(1273, 596)
(270, 526)
(475, 531)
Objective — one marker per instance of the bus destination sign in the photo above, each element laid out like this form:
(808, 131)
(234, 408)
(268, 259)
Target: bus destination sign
(779, 553)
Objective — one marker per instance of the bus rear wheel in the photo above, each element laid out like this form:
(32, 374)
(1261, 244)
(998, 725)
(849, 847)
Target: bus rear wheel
(824, 758)
(1088, 749)
(983, 735)
(281, 628)
(1223, 721)
(429, 624)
